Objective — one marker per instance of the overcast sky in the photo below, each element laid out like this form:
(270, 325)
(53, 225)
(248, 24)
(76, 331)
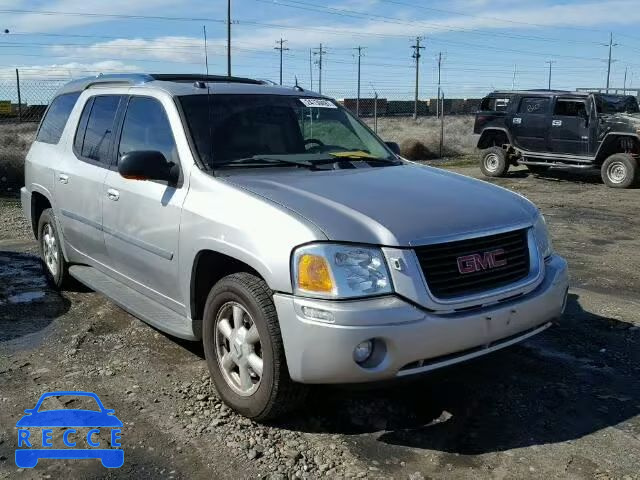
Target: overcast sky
(481, 41)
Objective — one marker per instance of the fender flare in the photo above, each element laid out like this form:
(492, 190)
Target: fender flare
(42, 190)
(608, 138)
(490, 130)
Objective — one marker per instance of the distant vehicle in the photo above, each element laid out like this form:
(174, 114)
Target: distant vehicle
(66, 418)
(274, 226)
(543, 129)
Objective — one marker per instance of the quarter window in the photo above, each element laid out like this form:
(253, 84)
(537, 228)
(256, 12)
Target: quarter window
(146, 127)
(56, 118)
(534, 105)
(94, 141)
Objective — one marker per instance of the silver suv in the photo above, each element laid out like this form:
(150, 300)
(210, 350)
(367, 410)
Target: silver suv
(275, 227)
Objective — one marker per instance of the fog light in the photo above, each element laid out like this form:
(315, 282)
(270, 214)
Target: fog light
(363, 351)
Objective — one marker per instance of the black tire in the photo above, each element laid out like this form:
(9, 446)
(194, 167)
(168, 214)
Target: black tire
(50, 245)
(493, 162)
(537, 168)
(276, 393)
(620, 170)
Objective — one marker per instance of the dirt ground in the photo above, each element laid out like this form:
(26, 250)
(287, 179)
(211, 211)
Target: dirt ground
(565, 404)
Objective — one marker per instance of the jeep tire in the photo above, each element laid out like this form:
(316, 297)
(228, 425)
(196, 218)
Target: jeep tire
(620, 170)
(244, 351)
(53, 262)
(493, 162)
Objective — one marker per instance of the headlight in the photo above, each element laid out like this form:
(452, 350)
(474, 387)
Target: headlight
(543, 239)
(339, 271)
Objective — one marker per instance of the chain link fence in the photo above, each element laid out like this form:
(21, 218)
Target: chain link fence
(22, 105)
(427, 130)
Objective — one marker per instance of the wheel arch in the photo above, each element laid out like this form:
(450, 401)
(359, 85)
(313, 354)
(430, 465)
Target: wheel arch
(39, 203)
(617, 142)
(493, 137)
(209, 267)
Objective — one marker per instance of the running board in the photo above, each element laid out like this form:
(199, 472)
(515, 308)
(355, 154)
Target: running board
(557, 156)
(134, 302)
(558, 164)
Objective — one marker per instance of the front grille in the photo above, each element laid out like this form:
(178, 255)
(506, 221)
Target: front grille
(441, 269)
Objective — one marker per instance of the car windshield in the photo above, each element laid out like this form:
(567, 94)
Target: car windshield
(274, 129)
(80, 402)
(616, 104)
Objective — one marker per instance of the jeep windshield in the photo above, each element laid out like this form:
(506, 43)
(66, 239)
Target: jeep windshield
(616, 103)
(278, 130)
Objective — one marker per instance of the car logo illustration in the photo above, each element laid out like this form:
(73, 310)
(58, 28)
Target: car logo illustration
(34, 445)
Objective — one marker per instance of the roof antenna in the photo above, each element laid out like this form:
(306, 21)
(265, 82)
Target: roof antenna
(298, 87)
(206, 55)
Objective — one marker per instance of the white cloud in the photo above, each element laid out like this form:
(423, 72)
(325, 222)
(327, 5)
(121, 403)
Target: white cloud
(66, 71)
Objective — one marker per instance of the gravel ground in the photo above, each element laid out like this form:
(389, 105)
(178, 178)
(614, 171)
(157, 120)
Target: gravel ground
(565, 404)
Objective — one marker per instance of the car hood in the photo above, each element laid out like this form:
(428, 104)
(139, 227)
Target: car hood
(395, 206)
(69, 418)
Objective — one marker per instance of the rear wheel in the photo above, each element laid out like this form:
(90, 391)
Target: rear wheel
(620, 170)
(493, 162)
(244, 350)
(537, 168)
(53, 262)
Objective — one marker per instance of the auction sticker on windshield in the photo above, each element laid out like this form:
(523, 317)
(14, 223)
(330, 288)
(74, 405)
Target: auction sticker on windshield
(317, 103)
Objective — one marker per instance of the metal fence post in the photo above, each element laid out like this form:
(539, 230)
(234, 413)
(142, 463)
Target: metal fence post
(19, 96)
(375, 113)
(441, 124)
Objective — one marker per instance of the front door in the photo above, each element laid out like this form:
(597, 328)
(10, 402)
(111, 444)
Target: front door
(141, 219)
(530, 123)
(79, 178)
(569, 127)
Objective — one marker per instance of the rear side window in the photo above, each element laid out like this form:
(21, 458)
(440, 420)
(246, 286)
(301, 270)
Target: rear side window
(495, 104)
(56, 118)
(146, 127)
(570, 108)
(95, 130)
(534, 105)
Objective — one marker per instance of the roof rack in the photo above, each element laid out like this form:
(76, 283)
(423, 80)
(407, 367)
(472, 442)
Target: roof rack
(188, 78)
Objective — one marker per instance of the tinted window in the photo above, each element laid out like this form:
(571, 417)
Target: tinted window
(100, 125)
(570, 108)
(82, 126)
(535, 105)
(146, 127)
(495, 104)
(56, 118)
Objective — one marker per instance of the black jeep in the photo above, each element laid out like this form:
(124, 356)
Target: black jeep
(545, 128)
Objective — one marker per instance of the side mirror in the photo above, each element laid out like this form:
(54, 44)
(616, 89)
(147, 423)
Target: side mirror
(394, 147)
(147, 165)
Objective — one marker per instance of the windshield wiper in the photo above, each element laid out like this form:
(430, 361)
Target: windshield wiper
(356, 157)
(264, 160)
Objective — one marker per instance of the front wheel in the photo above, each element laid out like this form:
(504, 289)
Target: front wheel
(620, 170)
(493, 162)
(244, 350)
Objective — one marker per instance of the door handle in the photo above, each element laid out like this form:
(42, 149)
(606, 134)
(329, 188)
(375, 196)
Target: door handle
(556, 123)
(63, 178)
(113, 194)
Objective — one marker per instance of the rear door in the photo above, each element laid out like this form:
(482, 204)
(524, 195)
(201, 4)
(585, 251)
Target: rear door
(569, 126)
(79, 178)
(530, 123)
(141, 219)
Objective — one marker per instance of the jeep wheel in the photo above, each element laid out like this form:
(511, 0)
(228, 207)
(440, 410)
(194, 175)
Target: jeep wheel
(493, 162)
(53, 262)
(620, 170)
(244, 351)
(537, 169)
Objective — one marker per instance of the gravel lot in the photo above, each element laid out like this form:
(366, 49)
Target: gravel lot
(565, 404)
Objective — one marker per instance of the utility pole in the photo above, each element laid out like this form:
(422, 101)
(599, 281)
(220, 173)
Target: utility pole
(228, 38)
(550, 62)
(281, 48)
(358, 99)
(624, 85)
(311, 67)
(416, 55)
(320, 53)
(19, 96)
(438, 104)
(610, 45)
(513, 80)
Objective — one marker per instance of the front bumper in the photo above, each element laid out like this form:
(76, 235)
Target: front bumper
(413, 340)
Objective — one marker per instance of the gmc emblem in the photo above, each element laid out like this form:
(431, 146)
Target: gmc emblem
(478, 262)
